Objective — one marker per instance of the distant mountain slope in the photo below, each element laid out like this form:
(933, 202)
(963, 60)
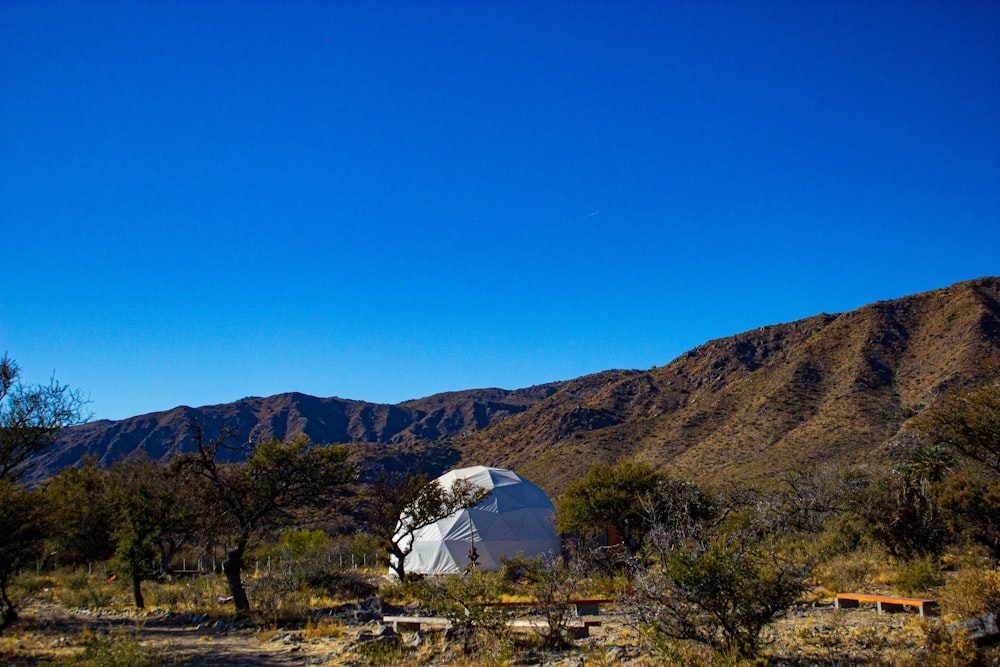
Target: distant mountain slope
(825, 388)
(325, 420)
(829, 387)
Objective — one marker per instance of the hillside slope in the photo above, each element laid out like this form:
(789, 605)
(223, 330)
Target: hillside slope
(418, 423)
(825, 388)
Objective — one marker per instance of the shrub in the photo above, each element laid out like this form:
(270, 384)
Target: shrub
(382, 653)
(852, 571)
(482, 627)
(918, 575)
(722, 596)
(337, 583)
(948, 648)
(972, 592)
(82, 592)
(270, 595)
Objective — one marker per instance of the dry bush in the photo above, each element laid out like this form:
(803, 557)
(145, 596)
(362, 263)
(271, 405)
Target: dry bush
(948, 648)
(324, 627)
(389, 654)
(78, 589)
(482, 628)
(852, 572)
(277, 600)
(971, 592)
(918, 575)
(191, 595)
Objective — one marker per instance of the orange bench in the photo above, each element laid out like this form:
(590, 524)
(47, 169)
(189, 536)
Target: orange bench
(884, 603)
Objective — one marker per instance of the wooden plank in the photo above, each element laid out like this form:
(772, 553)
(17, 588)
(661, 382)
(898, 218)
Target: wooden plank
(416, 622)
(883, 603)
(578, 629)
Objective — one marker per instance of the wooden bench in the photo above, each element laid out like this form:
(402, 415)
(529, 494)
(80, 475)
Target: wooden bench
(588, 607)
(578, 630)
(412, 623)
(884, 603)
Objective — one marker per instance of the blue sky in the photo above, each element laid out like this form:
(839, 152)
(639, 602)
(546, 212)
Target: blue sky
(386, 200)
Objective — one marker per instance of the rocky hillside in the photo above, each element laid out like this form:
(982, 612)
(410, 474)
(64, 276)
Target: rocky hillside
(829, 387)
(418, 424)
(826, 388)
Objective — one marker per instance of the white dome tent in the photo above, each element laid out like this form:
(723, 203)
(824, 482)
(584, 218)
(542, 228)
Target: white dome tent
(516, 517)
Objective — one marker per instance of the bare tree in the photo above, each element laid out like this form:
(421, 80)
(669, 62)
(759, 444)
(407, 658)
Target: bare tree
(30, 418)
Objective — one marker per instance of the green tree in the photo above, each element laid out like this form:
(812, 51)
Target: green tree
(272, 489)
(970, 505)
(82, 516)
(24, 524)
(610, 496)
(897, 509)
(30, 418)
(146, 509)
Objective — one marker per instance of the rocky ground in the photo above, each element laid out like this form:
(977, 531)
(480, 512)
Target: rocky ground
(807, 635)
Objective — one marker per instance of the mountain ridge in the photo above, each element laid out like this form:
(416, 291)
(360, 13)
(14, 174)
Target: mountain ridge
(782, 396)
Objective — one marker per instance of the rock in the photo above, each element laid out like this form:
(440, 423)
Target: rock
(385, 631)
(981, 629)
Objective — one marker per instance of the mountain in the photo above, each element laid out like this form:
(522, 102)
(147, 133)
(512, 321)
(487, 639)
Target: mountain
(417, 423)
(826, 388)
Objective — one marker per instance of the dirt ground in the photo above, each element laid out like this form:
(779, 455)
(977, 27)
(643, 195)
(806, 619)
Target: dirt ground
(807, 635)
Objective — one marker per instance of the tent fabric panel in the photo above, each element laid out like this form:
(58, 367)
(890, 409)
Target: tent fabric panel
(515, 518)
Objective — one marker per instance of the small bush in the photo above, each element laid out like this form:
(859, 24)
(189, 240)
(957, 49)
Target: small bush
(850, 572)
(948, 648)
(352, 584)
(270, 597)
(971, 592)
(173, 595)
(382, 653)
(322, 628)
(483, 628)
(918, 575)
(88, 596)
(396, 592)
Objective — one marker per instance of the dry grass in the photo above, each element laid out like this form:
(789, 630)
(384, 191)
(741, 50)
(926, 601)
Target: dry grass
(813, 633)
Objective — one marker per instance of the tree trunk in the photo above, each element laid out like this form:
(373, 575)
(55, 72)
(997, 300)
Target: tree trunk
(397, 561)
(234, 570)
(8, 614)
(137, 588)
